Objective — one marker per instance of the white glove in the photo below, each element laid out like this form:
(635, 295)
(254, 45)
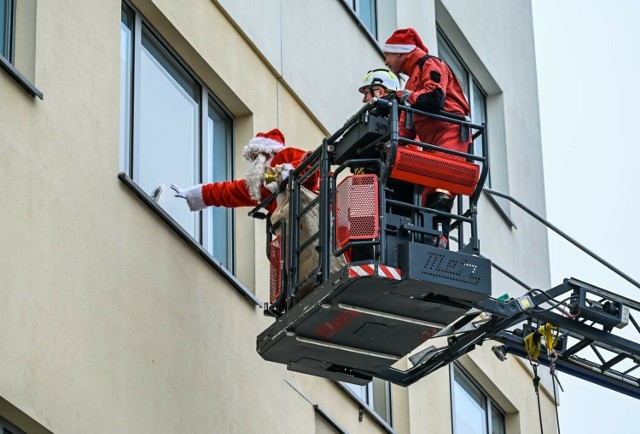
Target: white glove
(193, 195)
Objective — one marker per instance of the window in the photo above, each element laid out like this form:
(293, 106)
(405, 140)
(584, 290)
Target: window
(172, 131)
(7, 427)
(18, 42)
(476, 97)
(7, 18)
(377, 395)
(479, 100)
(366, 11)
(473, 412)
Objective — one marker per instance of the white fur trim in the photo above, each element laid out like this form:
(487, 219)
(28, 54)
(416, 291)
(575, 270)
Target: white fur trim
(398, 48)
(262, 145)
(286, 167)
(272, 186)
(194, 198)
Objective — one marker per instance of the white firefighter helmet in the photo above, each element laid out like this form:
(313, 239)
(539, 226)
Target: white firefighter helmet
(380, 77)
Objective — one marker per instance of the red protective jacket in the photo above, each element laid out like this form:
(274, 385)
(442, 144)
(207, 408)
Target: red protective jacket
(232, 194)
(434, 88)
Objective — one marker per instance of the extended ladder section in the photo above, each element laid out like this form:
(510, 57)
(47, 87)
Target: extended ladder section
(595, 334)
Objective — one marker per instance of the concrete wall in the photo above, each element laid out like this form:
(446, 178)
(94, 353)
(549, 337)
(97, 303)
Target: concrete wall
(110, 321)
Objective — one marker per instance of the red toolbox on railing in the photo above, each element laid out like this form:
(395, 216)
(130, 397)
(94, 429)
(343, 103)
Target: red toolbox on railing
(434, 170)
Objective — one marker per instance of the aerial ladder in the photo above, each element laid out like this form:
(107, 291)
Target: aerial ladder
(354, 317)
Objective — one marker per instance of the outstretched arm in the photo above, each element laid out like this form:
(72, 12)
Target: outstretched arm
(229, 194)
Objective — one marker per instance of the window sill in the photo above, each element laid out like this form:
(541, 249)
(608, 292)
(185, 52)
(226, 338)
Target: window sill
(148, 201)
(21, 79)
(329, 420)
(365, 407)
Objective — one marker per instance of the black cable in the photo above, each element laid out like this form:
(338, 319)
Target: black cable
(558, 304)
(555, 399)
(536, 382)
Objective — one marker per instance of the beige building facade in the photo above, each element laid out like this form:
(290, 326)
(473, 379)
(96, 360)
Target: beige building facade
(120, 314)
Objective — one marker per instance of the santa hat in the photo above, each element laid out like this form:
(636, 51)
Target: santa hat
(404, 41)
(270, 142)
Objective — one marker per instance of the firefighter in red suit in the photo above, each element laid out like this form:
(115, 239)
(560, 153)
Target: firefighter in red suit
(265, 152)
(431, 87)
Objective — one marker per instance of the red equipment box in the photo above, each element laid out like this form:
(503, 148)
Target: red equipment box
(436, 171)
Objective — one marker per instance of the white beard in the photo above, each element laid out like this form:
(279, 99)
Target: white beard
(255, 177)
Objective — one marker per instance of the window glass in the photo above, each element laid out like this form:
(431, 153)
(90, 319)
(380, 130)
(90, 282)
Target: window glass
(479, 111)
(172, 130)
(469, 406)
(6, 30)
(497, 421)
(473, 92)
(479, 116)
(473, 411)
(167, 130)
(218, 219)
(445, 52)
(126, 63)
(366, 10)
(377, 395)
(360, 391)
(381, 391)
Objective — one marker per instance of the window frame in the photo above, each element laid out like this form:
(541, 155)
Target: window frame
(372, 38)
(206, 100)
(355, 7)
(6, 426)
(8, 64)
(502, 207)
(473, 82)
(368, 408)
(9, 30)
(456, 370)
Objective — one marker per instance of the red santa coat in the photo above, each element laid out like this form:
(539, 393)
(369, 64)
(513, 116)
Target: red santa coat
(233, 194)
(434, 88)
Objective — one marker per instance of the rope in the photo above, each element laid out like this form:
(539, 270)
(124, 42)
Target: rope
(554, 379)
(555, 399)
(533, 344)
(536, 382)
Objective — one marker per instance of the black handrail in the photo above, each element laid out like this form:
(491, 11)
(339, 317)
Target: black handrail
(563, 235)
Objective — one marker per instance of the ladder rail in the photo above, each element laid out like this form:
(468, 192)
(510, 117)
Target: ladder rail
(563, 235)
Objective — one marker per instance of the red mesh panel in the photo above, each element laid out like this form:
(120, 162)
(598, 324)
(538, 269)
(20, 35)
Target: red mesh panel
(431, 170)
(357, 209)
(275, 275)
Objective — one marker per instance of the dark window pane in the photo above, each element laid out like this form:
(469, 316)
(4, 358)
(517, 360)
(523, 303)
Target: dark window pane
(479, 116)
(218, 138)
(497, 421)
(126, 63)
(6, 28)
(446, 53)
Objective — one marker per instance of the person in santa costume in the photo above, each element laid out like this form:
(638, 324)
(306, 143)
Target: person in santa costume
(268, 155)
(432, 87)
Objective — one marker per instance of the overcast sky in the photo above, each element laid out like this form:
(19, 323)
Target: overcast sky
(588, 55)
